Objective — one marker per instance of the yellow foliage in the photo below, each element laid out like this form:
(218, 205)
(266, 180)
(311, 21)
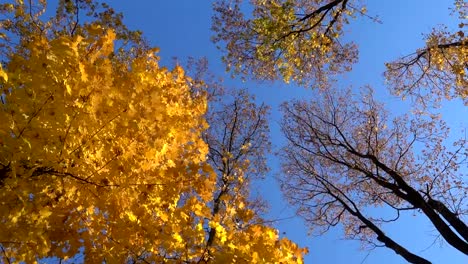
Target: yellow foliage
(102, 155)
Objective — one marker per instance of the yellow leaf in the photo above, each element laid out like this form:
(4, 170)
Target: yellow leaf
(3, 74)
(177, 237)
(164, 217)
(45, 212)
(131, 216)
(67, 86)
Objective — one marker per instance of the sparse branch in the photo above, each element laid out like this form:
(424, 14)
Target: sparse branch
(423, 54)
(434, 72)
(77, 19)
(353, 209)
(237, 142)
(5, 257)
(345, 143)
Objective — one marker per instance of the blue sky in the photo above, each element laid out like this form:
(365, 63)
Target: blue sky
(182, 28)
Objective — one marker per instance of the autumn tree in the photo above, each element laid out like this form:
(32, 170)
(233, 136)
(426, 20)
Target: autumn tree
(437, 71)
(238, 143)
(102, 150)
(303, 41)
(283, 39)
(345, 156)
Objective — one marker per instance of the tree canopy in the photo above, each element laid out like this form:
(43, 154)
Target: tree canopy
(103, 151)
(344, 155)
(108, 157)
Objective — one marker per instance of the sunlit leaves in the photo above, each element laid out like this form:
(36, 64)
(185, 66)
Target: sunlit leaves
(95, 147)
(102, 151)
(238, 142)
(292, 40)
(437, 71)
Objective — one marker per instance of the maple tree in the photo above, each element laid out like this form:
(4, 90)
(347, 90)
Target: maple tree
(103, 153)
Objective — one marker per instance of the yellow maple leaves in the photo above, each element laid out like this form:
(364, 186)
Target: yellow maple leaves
(102, 154)
(3, 74)
(72, 142)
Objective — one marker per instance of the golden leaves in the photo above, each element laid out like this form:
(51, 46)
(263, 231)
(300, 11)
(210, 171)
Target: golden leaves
(3, 74)
(103, 155)
(70, 130)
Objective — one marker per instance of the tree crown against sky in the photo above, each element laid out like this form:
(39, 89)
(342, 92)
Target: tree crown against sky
(345, 156)
(104, 152)
(191, 181)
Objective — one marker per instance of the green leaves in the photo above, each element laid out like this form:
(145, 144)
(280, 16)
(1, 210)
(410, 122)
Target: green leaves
(296, 41)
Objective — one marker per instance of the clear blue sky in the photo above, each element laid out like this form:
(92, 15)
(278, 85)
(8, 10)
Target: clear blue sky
(182, 28)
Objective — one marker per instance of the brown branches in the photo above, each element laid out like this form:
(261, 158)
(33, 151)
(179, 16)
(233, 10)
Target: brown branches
(353, 209)
(437, 71)
(5, 257)
(238, 142)
(323, 10)
(344, 154)
(407, 61)
(321, 13)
